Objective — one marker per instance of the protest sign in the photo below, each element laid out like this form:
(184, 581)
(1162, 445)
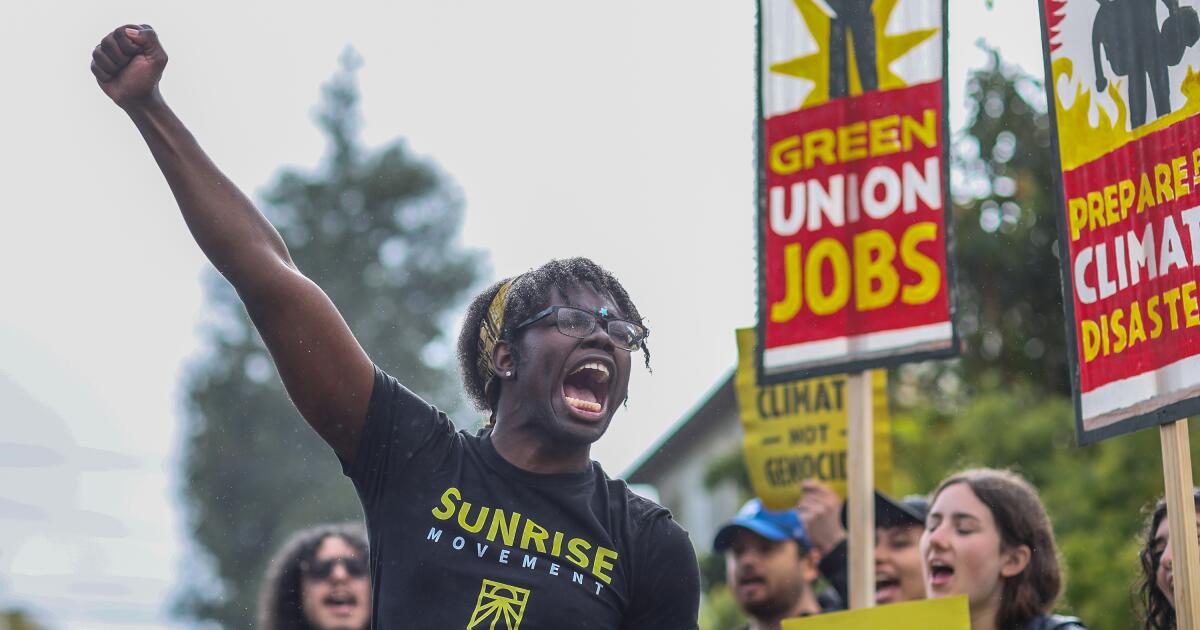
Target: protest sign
(797, 430)
(1124, 94)
(852, 212)
(1129, 209)
(946, 613)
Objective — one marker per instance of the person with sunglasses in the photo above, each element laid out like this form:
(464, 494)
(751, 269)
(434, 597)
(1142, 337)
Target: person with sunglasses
(318, 580)
(513, 527)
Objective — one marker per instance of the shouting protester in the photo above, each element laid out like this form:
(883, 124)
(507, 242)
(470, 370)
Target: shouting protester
(770, 565)
(987, 536)
(318, 581)
(898, 527)
(514, 524)
(1156, 587)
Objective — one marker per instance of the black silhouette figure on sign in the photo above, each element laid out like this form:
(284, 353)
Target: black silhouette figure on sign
(1138, 48)
(854, 17)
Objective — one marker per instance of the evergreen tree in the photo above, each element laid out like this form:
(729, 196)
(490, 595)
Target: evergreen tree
(1005, 229)
(17, 619)
(376, 230)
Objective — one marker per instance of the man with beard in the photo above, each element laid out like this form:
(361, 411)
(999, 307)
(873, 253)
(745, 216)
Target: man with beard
(515, 527)
(770, 565)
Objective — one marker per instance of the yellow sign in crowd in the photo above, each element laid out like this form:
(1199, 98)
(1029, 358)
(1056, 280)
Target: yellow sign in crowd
(797, 430)
(946, 613)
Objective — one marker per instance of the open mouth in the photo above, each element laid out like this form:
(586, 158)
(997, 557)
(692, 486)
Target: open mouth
(886, 589)
(750, 583)
(585, 389)
(940, 573)
(341, 603)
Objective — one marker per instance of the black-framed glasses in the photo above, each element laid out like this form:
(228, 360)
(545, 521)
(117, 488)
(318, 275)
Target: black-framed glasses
(578, 323)
(321, 569)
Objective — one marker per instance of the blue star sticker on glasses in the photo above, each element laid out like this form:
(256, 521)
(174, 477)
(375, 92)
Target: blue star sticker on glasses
(603, 311)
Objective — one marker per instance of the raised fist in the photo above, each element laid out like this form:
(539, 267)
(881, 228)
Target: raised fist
(821, 509)
(128, 63)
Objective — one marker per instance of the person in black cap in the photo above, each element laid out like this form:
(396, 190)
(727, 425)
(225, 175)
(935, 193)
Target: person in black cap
(770, 565)
(898, 527)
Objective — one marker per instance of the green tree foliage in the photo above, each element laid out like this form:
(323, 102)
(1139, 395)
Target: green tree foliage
(1094, 494)
(375, 229)
(1010, 302)
(17, 619)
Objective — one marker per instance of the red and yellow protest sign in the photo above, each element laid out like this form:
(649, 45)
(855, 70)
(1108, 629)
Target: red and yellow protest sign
(1125, 90)
(852, 204)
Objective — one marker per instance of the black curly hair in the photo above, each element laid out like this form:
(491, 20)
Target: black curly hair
(526, 296)
(281, 601)
(1159, 614)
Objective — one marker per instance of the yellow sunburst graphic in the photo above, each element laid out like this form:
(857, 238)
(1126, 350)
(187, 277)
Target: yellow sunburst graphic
(815, 67)
(1080, 141)
(500, 607)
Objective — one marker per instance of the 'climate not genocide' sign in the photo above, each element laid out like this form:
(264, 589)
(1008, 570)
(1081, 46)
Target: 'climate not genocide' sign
(797, 430)
(1125, 95)
(852, 172)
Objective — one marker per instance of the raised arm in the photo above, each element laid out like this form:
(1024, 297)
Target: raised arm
(327, 374)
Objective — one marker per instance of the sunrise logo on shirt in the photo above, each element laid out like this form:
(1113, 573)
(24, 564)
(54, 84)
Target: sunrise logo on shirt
(499, 602)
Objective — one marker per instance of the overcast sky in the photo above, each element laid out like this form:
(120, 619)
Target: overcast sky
(618, 130)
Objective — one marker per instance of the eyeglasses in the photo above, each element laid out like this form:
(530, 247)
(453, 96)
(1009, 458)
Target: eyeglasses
(322, 569)
(578, 323)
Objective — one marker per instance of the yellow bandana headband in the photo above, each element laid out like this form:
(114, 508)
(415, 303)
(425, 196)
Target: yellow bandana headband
(489, 332)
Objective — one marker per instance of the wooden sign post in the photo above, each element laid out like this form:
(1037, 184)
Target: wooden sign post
(861, 495)
(1181, 521)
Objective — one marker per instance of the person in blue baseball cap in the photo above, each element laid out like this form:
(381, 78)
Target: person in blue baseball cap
(770, 565)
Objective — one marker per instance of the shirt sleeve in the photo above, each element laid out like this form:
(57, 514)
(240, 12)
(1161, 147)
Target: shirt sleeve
(667, 587)
(400, 429)
(834, 568)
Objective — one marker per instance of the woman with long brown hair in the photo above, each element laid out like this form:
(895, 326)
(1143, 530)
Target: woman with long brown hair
(987, 536)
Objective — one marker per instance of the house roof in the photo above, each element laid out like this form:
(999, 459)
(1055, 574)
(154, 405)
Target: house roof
(696, 422)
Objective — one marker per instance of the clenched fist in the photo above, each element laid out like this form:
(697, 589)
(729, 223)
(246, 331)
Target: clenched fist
(128, 63)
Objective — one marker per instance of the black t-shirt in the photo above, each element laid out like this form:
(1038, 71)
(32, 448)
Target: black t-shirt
(460, 538)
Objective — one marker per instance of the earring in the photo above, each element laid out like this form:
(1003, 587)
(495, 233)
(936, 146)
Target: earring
(508, 373)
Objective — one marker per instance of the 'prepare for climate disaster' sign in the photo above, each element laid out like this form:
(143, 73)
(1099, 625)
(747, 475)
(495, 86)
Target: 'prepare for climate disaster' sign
(1124, 81)
(852, 212)
(796, 430)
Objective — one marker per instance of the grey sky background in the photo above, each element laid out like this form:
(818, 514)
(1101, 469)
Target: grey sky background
(620, 131)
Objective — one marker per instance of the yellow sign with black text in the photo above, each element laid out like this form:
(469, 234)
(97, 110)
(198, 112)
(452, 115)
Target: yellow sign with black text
(797, 430)
(945, 613)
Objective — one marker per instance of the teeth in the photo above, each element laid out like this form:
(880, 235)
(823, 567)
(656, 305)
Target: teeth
(594, 365)
(585, 405)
